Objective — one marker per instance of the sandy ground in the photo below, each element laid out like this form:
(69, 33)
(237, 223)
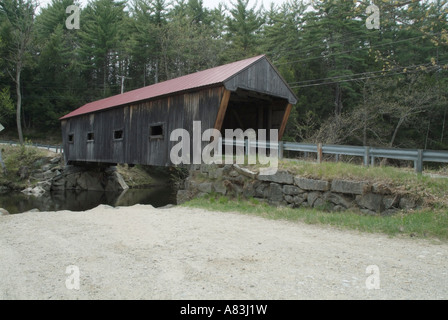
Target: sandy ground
(178, 253)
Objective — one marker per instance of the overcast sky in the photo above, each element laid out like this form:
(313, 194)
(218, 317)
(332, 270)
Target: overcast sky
(207, 3)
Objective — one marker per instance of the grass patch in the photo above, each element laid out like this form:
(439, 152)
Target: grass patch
(135, 177)
(16, 157)
(140, 176)
(422, 223)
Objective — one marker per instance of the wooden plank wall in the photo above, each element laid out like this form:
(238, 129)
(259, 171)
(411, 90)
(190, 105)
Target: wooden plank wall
(263, 78)
(136, 147)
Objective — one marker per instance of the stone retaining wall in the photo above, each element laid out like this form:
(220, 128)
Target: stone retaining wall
(285, 189)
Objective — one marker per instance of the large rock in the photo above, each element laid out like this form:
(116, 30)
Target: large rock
(115, 182)
(289, 199)
(312, 184)
(215, 173)
(275, 192)
(79, 178)
(312, 197)
(89, 181)
(48, 175)
(245, 172)
(219, 187)
(3, 212)
(296, 200)
(292, 190)
(45, 185)
(56, 160)
(322, 204)
(205, 187)
(233, 173)
(371, 201)
(391, 201)
(338, 200)
(183, 196)
(234, 188)
(36, 191)
(262, 191)
(300, 199)
(407, 203)
(351, 187)
(279, 177)
(249, 188)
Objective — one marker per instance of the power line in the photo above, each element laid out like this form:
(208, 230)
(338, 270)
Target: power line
(365, 78)
(359, 74)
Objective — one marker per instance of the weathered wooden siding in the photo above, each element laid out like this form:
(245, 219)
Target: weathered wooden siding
(136, 147)
(261, 77)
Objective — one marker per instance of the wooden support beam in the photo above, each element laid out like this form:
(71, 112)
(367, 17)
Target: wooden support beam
(222, 109)
(269, 125)
(238, 119)
(284, 121)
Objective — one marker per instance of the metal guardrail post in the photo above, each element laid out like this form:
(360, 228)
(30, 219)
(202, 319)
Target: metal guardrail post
(418, 164)
(366, 156)
(281, 148)
(2, 163)
(319, 153)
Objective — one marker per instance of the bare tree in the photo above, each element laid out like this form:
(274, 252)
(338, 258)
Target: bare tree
(408, 101)
(19, 15)
(386, 107)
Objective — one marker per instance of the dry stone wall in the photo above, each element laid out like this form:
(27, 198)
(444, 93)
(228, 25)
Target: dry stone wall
(286, 189)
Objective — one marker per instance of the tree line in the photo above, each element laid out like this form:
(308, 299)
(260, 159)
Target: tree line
(356, 85)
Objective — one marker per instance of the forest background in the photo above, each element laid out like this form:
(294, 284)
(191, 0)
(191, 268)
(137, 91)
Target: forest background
(356, 85)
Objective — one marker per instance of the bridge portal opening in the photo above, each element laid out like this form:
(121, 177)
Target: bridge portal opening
(253, 110)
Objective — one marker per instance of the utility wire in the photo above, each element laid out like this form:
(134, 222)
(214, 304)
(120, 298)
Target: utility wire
(362, 78)
(359, 74)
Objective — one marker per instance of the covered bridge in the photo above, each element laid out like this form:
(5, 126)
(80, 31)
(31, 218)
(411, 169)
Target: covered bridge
(134, 127)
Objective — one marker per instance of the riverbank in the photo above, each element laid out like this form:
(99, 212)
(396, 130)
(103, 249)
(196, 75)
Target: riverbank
(140, 252)
(36, 180)
(27, 166)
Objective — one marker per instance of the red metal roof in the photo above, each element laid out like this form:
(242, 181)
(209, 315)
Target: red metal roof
(196, 80)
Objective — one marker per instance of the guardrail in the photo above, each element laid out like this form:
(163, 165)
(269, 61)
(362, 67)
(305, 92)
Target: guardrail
(54, 148)
(369, 154)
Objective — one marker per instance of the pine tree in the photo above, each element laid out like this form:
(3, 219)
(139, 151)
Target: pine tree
(243, 30)
(100, 38)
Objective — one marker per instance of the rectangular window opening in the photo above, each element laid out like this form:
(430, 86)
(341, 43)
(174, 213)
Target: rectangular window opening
(90, 136)
(156, 131)
(118, 134)
(71, 138)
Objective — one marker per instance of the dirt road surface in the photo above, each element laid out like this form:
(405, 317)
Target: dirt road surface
(141, 252)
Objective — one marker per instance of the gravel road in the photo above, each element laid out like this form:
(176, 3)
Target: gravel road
(141, 252)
